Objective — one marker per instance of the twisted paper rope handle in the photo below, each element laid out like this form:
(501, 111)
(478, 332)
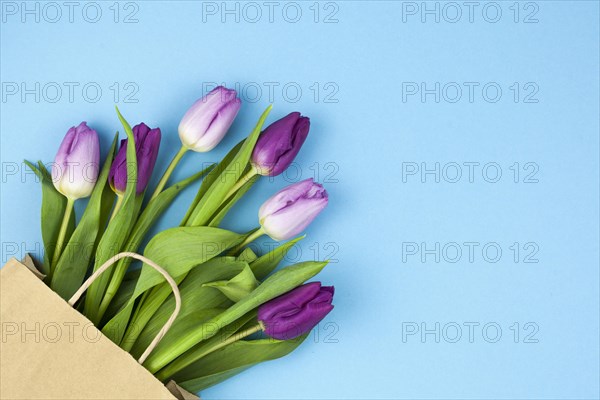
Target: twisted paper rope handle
(151, 263)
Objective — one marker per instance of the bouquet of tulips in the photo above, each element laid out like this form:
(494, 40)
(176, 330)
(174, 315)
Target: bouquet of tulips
(235, 308)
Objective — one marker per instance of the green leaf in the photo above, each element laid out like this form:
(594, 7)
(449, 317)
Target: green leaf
(266, 264)
(194, 297)
(207, 183)
(237, 287)
(147, 306)
(155, 208)
(215, 195)
(224, 209)
(115, 328)
(53, 210)
(177, 250)
(231, 360)
(123, 295)
(277, 284)
(76, 257)
(181, 327)
(204, 348)
(114, 238)
(247, 255)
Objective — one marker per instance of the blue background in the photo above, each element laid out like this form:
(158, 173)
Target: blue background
(356, 63)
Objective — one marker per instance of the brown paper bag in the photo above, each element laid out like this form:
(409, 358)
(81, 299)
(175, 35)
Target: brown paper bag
(48, 350)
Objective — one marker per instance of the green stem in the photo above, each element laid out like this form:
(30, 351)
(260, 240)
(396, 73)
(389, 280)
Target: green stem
(258, 233)
(149, 305)
(113, 287)
(169, 171)
(130, 335)
(176, 366)
(243, 180)
(118, 205)
(62, 233)
(118, 274)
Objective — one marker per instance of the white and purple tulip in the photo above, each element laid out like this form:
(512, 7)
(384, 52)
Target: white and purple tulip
(207, 121)
(76, 165)
(291, 210)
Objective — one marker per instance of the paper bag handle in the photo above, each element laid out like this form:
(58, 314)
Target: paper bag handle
(151, 263)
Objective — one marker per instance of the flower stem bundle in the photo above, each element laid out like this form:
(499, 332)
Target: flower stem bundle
(237, 308)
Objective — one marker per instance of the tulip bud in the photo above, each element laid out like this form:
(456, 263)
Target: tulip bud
(147, 143)
(279, 144)
(208, 120)
(292, 209)
(76, 165)
(296, 312)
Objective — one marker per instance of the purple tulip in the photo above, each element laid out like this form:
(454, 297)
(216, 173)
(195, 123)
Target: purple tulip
(279, 144)
(208, 120)
(76, 165)
(147, 142)
(296, 312)
(292, 209)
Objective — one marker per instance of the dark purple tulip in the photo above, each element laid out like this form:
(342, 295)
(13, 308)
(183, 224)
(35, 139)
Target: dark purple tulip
(279, 144)
(147, 142)
(296, 312)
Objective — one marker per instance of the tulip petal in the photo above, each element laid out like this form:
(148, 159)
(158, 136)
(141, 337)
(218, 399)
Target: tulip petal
(147, 143)
(219, 126)
(77, 162)
(147, 153)
(296, 312)
(299, 135)
(291, 210)
(284, 198)
(208, 119)
(295, 296)
(275, 141)
(291, 221)
(279, 144)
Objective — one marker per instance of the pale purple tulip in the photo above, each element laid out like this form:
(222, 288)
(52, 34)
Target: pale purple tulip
(147, 143)
(296, 312)
(76, 165)
(292, 209)
(279, 144)
(208, 120)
